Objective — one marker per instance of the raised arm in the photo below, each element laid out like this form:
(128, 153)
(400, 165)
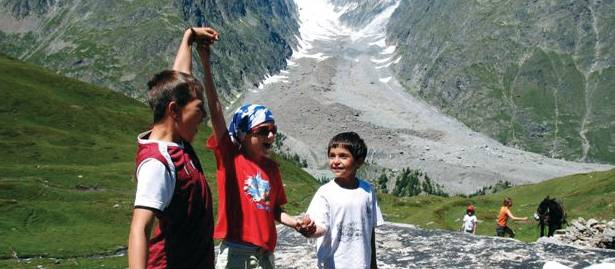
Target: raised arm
(183, 59)
(204, 38)
(213, 102)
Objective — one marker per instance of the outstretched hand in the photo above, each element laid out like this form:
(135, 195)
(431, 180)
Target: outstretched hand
(305, 226)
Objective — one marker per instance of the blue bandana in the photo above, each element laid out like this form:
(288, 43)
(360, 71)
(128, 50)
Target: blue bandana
(245, 118)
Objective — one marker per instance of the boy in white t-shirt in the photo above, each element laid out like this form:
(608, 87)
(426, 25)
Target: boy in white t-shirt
(344, 212)
(470, 222)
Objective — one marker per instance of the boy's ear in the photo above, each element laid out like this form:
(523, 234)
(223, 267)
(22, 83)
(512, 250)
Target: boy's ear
(173, 110)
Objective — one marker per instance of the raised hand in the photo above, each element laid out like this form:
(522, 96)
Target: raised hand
(203, 35)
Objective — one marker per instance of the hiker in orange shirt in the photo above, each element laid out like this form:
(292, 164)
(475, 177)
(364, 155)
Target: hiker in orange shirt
(502, 228)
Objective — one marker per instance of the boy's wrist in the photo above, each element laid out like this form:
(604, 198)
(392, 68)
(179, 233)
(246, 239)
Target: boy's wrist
(189, 36)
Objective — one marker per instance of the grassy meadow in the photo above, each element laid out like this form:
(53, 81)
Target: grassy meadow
(590, 195)
(66, 175)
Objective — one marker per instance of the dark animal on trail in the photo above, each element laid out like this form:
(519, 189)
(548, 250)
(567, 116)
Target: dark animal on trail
(550, 213)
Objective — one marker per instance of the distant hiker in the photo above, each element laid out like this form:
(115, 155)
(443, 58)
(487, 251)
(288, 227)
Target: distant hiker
(344, 212)
(502, 223)
(251, 193)
(470, 221)
(172, 194)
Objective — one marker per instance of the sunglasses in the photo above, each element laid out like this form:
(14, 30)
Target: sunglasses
(263, 131)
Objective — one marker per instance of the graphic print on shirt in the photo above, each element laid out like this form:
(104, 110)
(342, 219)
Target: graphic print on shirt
(350, 231)
(257, 189)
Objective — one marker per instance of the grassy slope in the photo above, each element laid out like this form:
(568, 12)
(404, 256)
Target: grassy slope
(589, 195)
(66, 186)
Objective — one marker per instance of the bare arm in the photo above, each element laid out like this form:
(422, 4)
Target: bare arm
(183, 59)
(140, 228)
(213, 102)
(510, 215)
(320, 231)
(204, 37)
(284, 218)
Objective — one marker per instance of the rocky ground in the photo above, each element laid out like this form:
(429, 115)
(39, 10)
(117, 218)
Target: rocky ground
(404, 246)
(339, 80)
(586, 233)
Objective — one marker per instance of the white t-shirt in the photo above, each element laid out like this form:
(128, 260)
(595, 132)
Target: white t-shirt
(155, 184)
(469, 222)
(349, 216)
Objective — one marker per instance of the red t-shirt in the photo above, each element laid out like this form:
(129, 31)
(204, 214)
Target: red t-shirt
(248, 195)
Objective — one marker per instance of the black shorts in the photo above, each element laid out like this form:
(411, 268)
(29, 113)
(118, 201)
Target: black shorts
(503, 230)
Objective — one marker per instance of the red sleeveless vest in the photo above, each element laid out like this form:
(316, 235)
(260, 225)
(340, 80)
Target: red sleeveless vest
(183, 236)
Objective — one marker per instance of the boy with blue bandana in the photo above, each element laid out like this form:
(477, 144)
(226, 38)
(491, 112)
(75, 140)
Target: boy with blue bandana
(250, 188)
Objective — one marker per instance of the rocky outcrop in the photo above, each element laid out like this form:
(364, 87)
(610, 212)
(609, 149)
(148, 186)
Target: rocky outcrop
(405, 246)
(586, 233)
(121, 44)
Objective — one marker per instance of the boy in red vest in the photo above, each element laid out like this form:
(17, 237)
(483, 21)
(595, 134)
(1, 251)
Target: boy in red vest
(172, 194)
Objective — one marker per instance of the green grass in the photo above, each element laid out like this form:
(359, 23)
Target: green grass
(589, 195)
(66, 175)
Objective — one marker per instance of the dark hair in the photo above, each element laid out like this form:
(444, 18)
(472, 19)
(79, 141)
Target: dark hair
(352, 142)
(168, 86)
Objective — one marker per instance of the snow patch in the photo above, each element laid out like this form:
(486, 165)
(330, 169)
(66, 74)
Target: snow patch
(380, 42)
(319, 20)
(380, 61)
(272, 79)
(389, 50)
(385, 80)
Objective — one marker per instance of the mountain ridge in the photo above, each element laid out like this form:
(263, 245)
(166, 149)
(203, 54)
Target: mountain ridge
(121, 44)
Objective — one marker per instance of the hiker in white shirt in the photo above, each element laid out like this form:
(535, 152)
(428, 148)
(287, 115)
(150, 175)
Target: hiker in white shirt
(344, 212)
(470, 222)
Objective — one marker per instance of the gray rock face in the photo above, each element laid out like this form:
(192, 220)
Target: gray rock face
(404, 246)
(590, 233)
(121, 44)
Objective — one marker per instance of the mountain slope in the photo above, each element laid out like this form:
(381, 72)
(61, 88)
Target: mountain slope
(535, 75)
(66, 178)
(119, 44)
(342, 79)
